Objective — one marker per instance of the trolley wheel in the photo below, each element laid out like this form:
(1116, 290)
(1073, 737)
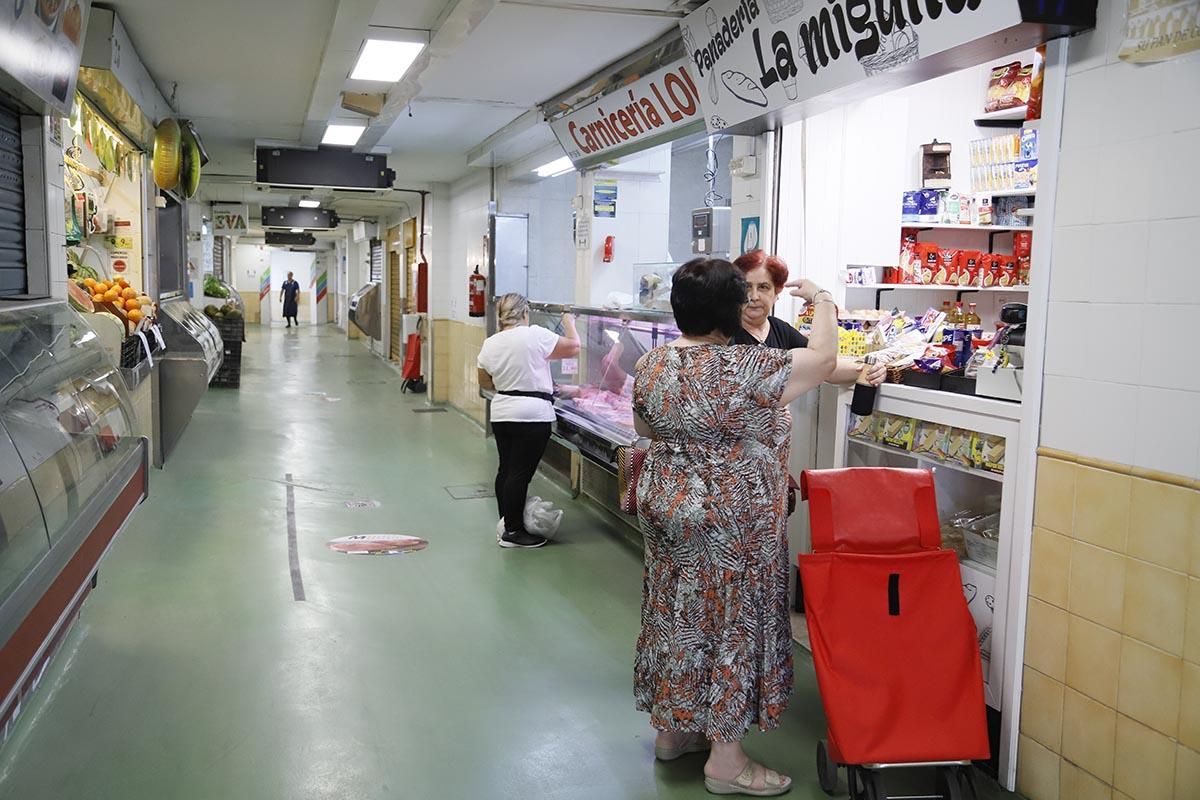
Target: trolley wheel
(966, 777)
(872, 785)
(827, 771)
(949, 783)
(854, 781)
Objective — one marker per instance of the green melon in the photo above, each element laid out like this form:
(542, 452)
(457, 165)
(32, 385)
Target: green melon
(189, 178)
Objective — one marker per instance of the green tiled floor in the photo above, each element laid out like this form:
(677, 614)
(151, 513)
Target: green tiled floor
(463, 671)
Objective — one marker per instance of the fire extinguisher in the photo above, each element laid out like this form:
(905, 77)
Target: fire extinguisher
(609, 243)
(477, 294)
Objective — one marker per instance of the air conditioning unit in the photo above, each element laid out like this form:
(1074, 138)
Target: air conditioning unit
(364, 231)
(289, 217)
(324, 167)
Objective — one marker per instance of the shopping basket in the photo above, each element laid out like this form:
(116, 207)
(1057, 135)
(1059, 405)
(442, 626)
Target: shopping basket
(894, 646)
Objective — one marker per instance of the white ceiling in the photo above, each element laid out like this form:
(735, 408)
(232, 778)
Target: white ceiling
(248, 70)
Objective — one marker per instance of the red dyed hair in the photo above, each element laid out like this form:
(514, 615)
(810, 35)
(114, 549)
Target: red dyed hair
(776, 268)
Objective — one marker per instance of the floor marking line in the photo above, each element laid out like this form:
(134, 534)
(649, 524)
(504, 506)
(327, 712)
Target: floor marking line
(293, 553)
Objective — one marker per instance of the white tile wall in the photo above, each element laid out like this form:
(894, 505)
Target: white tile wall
(1171, 257)
(1125, 285)
(1167, 431)
(1090, 417)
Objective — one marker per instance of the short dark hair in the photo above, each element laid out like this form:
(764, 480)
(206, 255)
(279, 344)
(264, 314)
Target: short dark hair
(707, 294)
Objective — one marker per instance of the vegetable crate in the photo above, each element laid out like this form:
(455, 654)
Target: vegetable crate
(232, 332)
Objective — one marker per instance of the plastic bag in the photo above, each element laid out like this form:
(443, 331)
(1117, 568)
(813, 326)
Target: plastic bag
(541, 518)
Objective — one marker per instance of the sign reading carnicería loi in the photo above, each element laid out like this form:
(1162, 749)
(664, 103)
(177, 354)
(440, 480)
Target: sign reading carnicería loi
(656, 104)
(752, 57)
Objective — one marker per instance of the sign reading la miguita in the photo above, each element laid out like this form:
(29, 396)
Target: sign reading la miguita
(752, 57)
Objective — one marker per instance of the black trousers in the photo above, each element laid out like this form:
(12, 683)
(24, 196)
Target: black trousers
(521, 446)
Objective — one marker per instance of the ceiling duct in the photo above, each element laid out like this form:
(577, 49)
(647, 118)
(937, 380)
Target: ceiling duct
(369, 105)
(328, 168)
(322, 219)
(280, 239)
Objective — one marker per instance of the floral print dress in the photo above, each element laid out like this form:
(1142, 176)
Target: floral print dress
(715, 651)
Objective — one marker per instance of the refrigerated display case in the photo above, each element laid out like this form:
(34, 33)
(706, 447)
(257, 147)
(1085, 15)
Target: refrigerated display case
(72, 469)
(594, 392)
(194, 353)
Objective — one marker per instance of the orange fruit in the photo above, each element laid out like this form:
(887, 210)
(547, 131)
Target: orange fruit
(132, 304)
(89, 283)
(134, 315)
(112, 295)
(97, 298)
(128, 293)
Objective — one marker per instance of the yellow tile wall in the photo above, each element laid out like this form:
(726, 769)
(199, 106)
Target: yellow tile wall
(456, 347)
(1111, 697)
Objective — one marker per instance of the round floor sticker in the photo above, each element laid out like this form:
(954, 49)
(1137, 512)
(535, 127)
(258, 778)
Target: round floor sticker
(378, 544)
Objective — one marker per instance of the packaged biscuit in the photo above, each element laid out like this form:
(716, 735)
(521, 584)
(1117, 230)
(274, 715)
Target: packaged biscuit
(929, 256)
(930, 439)
(967, 271)
(864, 427)
(898, 432)
(989, 453)
(944, 273)
(960, 447)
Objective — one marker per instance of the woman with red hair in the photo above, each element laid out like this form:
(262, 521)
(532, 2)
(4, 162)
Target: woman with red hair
(766, 275)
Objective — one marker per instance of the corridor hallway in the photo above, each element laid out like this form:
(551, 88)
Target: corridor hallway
(462, 671)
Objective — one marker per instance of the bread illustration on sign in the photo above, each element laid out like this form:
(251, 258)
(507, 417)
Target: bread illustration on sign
(902, 47)
(744, 88)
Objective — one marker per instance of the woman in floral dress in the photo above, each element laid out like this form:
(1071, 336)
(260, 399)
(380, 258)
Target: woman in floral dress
(715, 653)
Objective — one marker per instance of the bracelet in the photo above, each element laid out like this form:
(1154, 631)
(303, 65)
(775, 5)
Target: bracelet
(815, 301)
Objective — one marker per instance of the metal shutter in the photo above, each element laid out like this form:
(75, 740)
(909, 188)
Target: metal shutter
(376, 260)
(12, 206)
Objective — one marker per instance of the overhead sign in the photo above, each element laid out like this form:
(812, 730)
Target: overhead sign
(231, 220)
(757, 56)
(652, 106)
(40, 45)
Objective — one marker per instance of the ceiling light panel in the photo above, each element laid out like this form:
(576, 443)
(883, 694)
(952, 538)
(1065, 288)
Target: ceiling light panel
(559, 166)
(308, 202)
(385, 61)
(343, 135)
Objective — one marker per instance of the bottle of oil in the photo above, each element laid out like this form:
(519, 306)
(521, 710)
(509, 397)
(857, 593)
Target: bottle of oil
(958, 328)
(974, 323)
(862, 402)
(947, 323)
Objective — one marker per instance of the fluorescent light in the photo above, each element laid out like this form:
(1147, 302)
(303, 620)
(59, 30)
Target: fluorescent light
(344, 135)
(559, 166)
(385, 61)
(309, 203)
(297, 230)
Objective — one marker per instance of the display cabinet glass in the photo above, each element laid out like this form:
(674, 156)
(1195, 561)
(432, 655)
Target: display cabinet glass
(68, 430)
(652, 285)
(594, 392)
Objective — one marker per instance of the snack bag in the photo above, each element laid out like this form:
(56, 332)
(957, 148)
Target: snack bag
(1033, 108)
(898, 432)
(910, 265)
(968, 270)
(989, 451)
(1008, 271)
(1022, 243)
(930, 439)
(1023, 270)
(1002, 91)
(960, 447)
(929, 256)
(863, 427)
(945, 268)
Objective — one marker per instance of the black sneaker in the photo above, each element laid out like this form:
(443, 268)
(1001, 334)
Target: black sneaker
(522, 539)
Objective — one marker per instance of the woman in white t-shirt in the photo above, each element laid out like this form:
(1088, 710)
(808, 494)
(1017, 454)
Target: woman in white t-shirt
(515, 363)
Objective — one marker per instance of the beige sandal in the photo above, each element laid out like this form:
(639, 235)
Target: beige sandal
(690, 743)
(773, 783)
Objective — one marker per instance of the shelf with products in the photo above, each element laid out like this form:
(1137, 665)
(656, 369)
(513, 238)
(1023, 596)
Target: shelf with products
(929, 226)
(930, 461)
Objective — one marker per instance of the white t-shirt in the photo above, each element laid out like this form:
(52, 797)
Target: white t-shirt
(518, 360)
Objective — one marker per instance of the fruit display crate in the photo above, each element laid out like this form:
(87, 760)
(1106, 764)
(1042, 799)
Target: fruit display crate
(232, 332)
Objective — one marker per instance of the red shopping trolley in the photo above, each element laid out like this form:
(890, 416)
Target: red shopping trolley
(894, 646)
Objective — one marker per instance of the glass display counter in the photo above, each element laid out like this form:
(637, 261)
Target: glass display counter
(594, 392)
(72, 468)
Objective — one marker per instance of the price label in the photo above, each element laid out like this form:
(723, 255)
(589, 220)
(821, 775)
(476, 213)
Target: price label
(570, 366)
